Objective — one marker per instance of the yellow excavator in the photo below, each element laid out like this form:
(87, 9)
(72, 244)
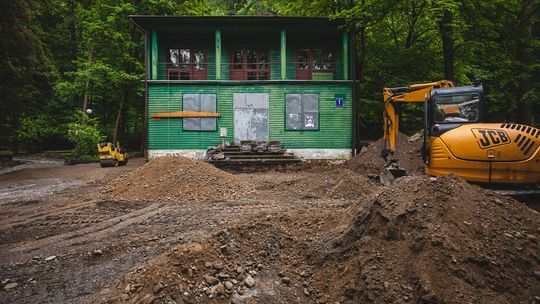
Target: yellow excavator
(455, 139)
(111, 155)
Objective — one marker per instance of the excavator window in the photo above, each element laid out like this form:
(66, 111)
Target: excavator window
(457, 108)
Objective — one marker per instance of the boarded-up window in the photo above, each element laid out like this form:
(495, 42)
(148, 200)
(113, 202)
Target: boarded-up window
(302, 112)
(199, 103)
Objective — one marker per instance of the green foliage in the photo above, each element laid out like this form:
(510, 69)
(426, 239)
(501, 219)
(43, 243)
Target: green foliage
(84, 134)
(26, 70)
(55, 52)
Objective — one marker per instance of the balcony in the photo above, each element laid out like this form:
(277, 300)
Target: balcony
(250, 64)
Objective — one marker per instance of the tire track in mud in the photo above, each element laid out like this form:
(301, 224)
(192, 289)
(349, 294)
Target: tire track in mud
(97, 231)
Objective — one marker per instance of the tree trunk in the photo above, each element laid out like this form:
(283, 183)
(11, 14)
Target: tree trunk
(446, 32)
(72, 27)
(87, 84)
(359, 74)
(524, 59)
(120, 125)
(362, 58)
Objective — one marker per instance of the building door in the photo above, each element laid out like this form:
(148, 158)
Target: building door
(250, 116)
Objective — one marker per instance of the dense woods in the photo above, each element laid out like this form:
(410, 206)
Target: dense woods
(59, 58)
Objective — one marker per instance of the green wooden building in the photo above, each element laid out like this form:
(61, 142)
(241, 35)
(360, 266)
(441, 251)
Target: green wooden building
(284, 79)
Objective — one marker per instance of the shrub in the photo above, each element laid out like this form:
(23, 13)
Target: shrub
(83, 132)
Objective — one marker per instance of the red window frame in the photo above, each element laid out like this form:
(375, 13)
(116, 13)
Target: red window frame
(189, 70)
(305, 69)
(247, 69)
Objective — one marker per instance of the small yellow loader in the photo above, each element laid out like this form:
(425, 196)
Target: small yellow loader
(111, 155)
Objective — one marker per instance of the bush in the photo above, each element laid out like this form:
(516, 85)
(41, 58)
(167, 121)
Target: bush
(85, 135)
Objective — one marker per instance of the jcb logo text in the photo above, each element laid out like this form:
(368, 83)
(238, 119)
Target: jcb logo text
(490, 137)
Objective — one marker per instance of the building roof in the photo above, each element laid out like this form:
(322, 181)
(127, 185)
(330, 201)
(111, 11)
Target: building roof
(152, 22)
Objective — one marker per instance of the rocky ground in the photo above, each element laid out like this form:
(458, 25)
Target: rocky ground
(179, 231)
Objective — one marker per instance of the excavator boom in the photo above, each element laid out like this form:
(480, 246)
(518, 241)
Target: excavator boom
(415, 93)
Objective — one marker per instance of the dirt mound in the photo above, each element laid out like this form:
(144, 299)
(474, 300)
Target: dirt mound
(336, 183)
(424, 240)
(178, 178)
(238, 265)
(408, 153)
(440, 241)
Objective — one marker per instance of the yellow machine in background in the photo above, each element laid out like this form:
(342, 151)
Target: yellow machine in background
(455, 140)
(111, 155)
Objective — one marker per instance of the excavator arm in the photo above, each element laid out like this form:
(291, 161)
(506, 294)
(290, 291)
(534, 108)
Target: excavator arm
(415, 93)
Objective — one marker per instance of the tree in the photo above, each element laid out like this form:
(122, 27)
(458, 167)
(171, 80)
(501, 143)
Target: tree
(26, 71)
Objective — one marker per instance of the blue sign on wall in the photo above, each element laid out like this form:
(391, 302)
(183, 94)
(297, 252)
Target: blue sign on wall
(339, 102)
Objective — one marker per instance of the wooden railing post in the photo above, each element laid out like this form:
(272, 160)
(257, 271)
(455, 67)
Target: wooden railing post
(218, 54)
(283, 55)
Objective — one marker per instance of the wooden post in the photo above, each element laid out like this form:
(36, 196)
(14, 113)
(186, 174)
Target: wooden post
(218, 54)
(283, 55)
(154, 56)
(345, 56)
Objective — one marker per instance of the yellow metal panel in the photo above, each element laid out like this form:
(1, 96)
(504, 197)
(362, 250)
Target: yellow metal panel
(491, 142)
(443, 162)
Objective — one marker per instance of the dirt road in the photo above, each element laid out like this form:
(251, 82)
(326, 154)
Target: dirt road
(49, 211)
(62, 240)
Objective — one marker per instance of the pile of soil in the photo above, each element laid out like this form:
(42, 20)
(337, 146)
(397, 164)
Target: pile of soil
(335, 183)
(408, 154)
(441, 240)
(231, 266)
(424, 240)
(178, 178)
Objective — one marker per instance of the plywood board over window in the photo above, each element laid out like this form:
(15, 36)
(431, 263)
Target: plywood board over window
(199, 103)
(302, 112)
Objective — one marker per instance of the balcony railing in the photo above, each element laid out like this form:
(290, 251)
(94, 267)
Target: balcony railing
(251, 71)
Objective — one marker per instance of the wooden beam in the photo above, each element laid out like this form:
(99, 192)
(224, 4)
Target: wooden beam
(283, 55)
(218, 54)
(154, 56)
(185, 114)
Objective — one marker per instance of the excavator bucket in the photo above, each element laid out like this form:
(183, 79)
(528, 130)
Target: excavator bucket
(389, 174)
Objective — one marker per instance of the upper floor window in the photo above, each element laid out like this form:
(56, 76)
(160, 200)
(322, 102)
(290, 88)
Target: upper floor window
(315, 64)
(250, 64)
(186, 64)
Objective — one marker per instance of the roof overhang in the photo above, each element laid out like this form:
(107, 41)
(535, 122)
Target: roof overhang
(149, 22)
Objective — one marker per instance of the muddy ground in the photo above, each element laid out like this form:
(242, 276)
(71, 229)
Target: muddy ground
(62, 240)
(66, 236)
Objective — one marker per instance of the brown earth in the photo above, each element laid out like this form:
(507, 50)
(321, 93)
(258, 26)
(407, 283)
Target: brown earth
(424, 241)
(408, 154)
(332, 183)
(323, 234)
(439, 241)
(177, 178)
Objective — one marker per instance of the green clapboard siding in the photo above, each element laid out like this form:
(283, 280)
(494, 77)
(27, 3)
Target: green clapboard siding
(335, 126)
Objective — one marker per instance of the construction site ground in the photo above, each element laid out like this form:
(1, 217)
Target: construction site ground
(322, 233)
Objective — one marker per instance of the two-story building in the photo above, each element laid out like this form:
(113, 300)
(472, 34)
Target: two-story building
(285, 79)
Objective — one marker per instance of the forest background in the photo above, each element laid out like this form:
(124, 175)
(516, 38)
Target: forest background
(60, 56)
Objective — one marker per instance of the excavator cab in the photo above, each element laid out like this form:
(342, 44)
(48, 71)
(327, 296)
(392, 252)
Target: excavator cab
(449, 108)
